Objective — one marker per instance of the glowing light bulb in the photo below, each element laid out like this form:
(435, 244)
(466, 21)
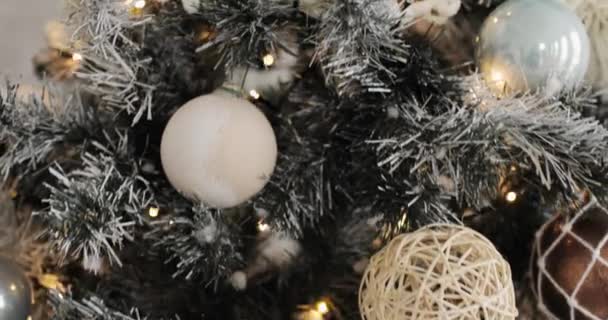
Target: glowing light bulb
(77, 57)
(51, 281)
(263, 226)
(322, 307)
(254, 94)
(511, 196)
(310, 315)
(268, 60)
(497, 80)
(204, 36)
(13, 287)
(497, 75)
(139, 4)
(153, 212)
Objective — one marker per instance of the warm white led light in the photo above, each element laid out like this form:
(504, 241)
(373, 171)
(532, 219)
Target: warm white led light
(77, 57)
(254, 94)
(322, 307)
(511, 196)
(263, 226)
(268, 60)
(153, 212)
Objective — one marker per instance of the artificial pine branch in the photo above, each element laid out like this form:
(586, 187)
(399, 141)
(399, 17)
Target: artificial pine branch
(355, 44)
(375, 139)
(301, 190)
(93, 209)
(246, 29)
(33, 135)
(205, 247)
(66, 307)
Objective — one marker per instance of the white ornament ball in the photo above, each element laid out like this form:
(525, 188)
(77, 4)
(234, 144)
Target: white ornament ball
(218, 149)
(533, 45)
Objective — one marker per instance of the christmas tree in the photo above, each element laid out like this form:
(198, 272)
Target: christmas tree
(309, 159)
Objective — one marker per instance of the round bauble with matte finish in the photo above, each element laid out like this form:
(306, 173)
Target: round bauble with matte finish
(533, 45)
(438, 272)
(15, 292)
(218, 149)
(570, 264)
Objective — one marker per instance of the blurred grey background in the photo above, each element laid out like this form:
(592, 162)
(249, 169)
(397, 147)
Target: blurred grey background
(22, 34)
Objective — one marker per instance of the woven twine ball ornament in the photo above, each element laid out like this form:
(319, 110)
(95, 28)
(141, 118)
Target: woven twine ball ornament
(438, 272)
(570, 264)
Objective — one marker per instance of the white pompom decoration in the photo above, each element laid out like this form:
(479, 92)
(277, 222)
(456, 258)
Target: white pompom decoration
(594, 14)
(239, 280)
(314, 8)
(275, 252)
(191, 6)
(219, 150)
(437, 11)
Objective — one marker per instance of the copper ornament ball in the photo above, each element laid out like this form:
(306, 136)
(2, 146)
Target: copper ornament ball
(569, 281)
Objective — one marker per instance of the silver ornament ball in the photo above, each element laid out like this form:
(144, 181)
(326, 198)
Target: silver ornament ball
(218, 149)
(533, 45)
(15, 292)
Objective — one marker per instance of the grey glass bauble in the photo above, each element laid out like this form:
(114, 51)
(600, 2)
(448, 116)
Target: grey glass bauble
(15, 292)
(533, 45)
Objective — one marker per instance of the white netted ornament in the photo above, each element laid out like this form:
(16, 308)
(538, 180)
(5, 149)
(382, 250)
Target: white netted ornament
(438, 272)
(570, 266)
